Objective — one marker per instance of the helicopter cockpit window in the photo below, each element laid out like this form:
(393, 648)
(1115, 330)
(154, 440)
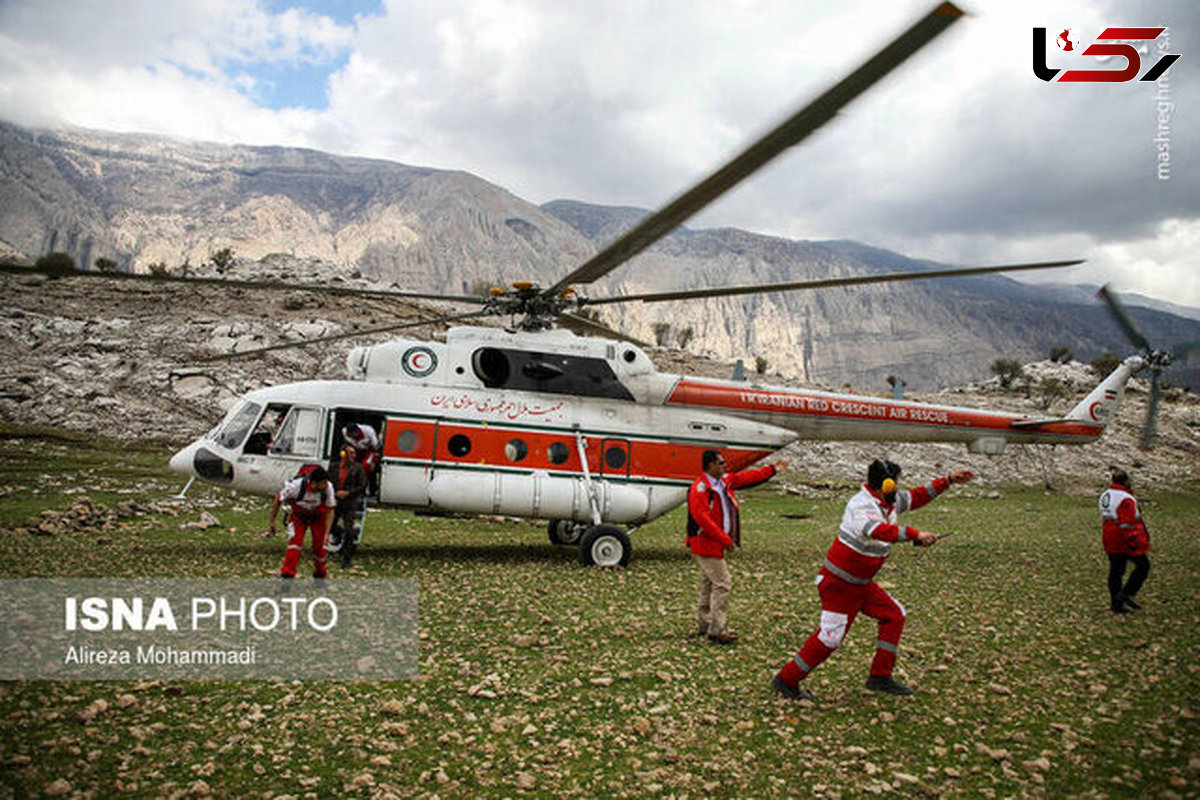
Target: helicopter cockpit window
(547, 372)
(235, 429)
(267, 429)
(299, 435)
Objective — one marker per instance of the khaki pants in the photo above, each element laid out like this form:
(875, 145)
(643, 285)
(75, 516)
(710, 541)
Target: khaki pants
(715, 586)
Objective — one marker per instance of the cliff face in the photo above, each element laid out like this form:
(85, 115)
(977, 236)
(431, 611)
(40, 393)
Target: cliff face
(141, 199)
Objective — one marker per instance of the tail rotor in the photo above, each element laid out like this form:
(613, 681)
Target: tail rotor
(1154, 360)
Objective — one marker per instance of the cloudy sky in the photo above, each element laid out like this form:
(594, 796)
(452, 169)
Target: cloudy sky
(963, 155)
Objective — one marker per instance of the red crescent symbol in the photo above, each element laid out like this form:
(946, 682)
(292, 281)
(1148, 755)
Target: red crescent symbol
(418, 360)
(1093, 408)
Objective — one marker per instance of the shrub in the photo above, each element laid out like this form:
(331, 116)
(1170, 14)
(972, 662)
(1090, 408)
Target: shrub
(1008, 370)
(1104, 363)
(56, 262)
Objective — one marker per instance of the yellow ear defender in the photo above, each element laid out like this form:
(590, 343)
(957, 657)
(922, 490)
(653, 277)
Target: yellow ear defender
(888, 486)
(342, 454)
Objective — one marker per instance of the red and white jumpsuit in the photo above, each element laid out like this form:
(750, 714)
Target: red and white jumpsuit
(309, 510)
(366, 446)
(846, 579)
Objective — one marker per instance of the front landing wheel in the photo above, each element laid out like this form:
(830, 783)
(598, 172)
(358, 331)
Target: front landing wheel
(605, 546)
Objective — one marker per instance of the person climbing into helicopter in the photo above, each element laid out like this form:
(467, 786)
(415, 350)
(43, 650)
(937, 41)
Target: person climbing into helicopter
(312, 504)
(714, 526)
(366, 444)
(349, 483)
(846, 581)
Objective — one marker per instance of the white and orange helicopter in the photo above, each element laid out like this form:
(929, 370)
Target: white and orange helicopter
(585, 432)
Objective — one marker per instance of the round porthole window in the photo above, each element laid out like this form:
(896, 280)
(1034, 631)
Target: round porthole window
(407, 441)
(459, 445)
(516, 450)
(614, 457)
(558, 453)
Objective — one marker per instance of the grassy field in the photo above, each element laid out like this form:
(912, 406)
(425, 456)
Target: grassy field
(542, 677)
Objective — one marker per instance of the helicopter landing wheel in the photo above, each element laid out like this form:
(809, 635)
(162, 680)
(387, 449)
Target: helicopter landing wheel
(565, 531)
(605, 546)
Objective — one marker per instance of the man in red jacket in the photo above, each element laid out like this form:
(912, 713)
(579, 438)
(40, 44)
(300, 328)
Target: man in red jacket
(1125, 539)
(713, 526)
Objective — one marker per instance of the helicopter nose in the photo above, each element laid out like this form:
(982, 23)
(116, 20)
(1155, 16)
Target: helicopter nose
(182, 461)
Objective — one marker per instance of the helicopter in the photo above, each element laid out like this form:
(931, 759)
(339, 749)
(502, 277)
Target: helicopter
(537, 422)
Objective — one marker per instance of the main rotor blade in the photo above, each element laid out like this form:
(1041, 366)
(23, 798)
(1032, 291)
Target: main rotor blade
(240, 284)
(339, 336)
(825, 283)
(1151, 423)
(584, 325)
(1117, 309)
(788, 134)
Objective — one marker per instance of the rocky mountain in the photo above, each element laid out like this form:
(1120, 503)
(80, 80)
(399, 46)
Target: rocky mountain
(142, 200)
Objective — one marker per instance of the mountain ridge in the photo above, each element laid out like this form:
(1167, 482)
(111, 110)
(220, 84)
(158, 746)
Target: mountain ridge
(141, 199)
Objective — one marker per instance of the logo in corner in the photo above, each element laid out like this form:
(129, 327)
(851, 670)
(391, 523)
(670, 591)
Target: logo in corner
(418, 361)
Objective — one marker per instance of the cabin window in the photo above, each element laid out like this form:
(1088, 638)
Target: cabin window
(234, 431)
(558, 453)
(534, 371)
(407, 441)
(516, 450)
(459, 445)
(615, 457)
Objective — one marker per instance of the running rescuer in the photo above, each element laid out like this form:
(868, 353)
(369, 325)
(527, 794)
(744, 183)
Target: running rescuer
(846, 580)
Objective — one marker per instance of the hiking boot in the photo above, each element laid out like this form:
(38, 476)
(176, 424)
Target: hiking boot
(726, 637)
(1119, 607)
(790, 692)
(1130, 603)
(886, 683)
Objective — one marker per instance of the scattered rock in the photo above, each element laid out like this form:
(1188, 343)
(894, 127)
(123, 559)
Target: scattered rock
(58, 788)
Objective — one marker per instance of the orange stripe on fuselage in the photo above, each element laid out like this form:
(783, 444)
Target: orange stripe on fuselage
(847, 407)
(495, 445)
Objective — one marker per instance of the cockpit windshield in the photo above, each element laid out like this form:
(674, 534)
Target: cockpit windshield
(235, 428)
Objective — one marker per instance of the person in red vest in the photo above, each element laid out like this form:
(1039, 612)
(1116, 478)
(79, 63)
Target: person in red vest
(846, 580)
(1125, 539)
(713, 526)
(312, 506)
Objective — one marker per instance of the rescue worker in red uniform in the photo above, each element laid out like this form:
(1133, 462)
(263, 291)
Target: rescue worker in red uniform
(713, 526)
(366, 444)
(846, 580)
(1125, 539)
(312, 506)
